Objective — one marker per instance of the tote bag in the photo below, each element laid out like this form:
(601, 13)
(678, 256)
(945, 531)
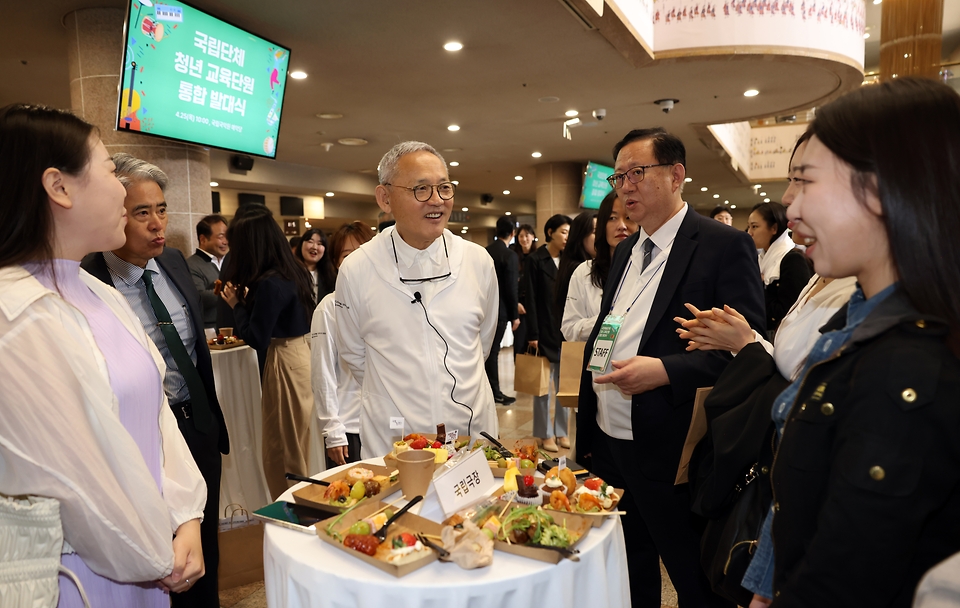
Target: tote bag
(571, 367)
(532, 374)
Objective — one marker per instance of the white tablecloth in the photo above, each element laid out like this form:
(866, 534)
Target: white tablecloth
(301, 571)
(237, 376)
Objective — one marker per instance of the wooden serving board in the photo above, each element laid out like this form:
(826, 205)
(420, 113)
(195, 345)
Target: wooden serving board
(576, 523)
(236, 344)
(312, 495)
(596, 519)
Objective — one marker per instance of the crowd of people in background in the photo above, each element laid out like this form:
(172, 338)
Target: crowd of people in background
(828, 331)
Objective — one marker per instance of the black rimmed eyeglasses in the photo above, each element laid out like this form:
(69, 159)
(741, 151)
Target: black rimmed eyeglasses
(423, 192)
(426, 279)
(635, 175)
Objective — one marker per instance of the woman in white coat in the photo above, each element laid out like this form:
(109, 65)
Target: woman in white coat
(83, 416)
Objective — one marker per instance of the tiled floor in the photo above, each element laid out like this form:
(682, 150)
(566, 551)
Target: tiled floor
(516, 425)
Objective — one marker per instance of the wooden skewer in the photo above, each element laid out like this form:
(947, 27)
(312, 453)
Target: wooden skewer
(436, 536)
(385, 507)
(507, 506)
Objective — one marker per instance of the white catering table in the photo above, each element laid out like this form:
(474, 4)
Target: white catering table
(237, 377)
(301, 571)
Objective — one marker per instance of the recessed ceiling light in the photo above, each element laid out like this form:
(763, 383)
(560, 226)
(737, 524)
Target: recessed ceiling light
(307, 225)
(506, 213)
(688, 179)
(703, 189)
(453, 128)
(452, 46)
(549, 99)
(716, 196)
(536, 155)
(464, 228)
(352, 141)
(518, 177)
(867, 35)
(373, 227)
(465, 209)
(733, 206)
(455, 183)
(505, 192)
(454, 163)
(298, 75)
(766, 200)
(763, 194)
(571, 113)
(214, 184)
(452, 149)
(751, 93)
(329, 115)
(726, 202)
(329, 194)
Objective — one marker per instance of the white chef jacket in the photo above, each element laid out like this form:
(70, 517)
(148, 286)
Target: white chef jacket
(582, 307)
(385, 340)
(61, 435)
(336, 392)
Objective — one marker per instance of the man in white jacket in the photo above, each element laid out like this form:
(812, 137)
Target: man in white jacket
(416, 310)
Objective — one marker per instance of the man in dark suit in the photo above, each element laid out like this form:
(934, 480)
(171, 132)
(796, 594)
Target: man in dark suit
(635, 413)
(157, 284)
(508, 271)
(206, 262)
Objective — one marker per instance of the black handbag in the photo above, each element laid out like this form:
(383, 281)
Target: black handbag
(729, 541)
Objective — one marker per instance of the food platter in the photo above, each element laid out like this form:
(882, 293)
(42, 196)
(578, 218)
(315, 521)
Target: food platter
(226, 346)
(313, 495)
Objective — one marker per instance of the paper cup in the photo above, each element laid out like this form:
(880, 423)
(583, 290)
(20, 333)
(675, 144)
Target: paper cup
(226, 331)
(416, 471)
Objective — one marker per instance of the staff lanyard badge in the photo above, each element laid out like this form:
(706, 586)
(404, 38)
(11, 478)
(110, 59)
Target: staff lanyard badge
(603, 345)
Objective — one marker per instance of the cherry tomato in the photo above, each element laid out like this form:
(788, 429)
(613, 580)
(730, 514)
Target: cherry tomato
(419, 444)
(408, 539)
(593, 483)
(436, 445)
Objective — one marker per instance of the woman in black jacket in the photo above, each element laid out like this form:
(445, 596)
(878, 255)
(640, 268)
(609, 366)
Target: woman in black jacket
(866, 479)
(523, 246)
(543, 330)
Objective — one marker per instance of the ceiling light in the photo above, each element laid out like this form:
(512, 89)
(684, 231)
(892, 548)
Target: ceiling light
(352, 141)
(518, 177)
(452, 149)
(867, 35)
(455, 183)
(298, 75)
(704, 189)
(506, 213)
(570, 113)
(726, 202)
(465, 209)
(733, 206)
(454, 163)
(536, 155)
(716, 196)
(452, 46)
(763, 194)
(505, 192)
(766, 200)
(307, 225)
(549, 99)
(329, 194)
(329, 115)
(877, 1)
(453, 128)
(751, 93)
(214, 184)
(688, 179)
(373, 227)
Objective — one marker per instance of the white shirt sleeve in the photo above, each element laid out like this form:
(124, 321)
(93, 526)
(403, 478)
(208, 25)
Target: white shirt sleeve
(580, 310)
(60, 437)
(491, 307)
(350, 345)
(324, 378)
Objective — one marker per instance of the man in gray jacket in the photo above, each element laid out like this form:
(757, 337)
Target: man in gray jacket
(205, 263)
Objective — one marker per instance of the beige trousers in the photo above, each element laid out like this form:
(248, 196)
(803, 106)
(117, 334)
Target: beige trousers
(287, 405)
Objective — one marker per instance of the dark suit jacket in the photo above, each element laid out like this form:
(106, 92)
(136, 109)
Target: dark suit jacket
(540, 273)
(507, 267)
(175, 266)
(205, 274)
(710, 265)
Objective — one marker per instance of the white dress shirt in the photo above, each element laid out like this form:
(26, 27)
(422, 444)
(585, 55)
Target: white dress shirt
(633, 300)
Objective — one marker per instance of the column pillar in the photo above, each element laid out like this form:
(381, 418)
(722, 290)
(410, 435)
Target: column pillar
(558, 191)
(911, 34)
(94, 54)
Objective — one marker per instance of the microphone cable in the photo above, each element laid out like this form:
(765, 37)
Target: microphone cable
(446, 350)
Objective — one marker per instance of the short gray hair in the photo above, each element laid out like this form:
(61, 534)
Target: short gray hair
(131, 169)
(388, 164)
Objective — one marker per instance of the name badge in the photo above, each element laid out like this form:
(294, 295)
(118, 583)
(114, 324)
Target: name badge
(603, 346)
(465, 484)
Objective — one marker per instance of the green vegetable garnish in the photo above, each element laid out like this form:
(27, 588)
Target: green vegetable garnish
(336, 521)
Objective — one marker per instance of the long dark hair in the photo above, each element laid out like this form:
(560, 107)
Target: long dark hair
(775, 216)
(601, 264)
(326, 273)
(356, 230)
(259, 250)
(32, 140)
(572, 256)
(901, 137)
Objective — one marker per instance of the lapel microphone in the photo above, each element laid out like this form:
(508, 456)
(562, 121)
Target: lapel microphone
(416, 298)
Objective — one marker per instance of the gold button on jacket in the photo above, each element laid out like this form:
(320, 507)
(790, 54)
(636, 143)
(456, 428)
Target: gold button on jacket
(877, 473)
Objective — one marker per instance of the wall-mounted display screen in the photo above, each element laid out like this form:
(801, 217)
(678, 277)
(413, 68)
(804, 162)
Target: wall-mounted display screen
(595, 185)
(192, 77)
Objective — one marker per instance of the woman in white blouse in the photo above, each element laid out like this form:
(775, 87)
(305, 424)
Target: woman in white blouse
(582, 304)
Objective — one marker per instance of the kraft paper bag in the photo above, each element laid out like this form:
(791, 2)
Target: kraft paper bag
(698, 428)
(571, 366)
(532, 375)
(240, 538)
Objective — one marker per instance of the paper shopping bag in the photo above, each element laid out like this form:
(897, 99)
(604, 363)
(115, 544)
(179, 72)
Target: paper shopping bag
(240, 538)
(698, 428)
(571, 366)
(532, 375)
